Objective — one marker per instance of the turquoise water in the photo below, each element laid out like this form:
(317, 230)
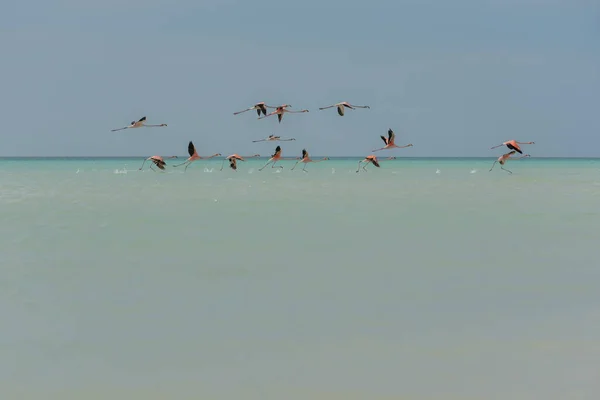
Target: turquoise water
(423, 279)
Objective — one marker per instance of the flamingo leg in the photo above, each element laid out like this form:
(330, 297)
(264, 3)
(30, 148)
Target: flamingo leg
(222, 164)
(294, 165)
(186, 167)
(268, 162)
(143, 164)
(273, 166)
(493, 165)
(358, 169)
(505, 169)
(304, 169)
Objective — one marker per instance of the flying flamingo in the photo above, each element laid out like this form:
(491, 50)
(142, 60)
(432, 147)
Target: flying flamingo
(259, 107)
(389, 141)
(233, 160)
(513, 145)
(340, 107)
(280, 111)
(158, 161)
(274, 158)
(194, 156)
(272, 138)
(138, 124)
(306, 159)
(368, 159)
(505, 157)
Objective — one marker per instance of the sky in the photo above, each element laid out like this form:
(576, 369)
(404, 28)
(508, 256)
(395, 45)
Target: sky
(453, 78)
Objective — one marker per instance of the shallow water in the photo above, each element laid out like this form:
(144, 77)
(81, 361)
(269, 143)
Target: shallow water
(425, 278)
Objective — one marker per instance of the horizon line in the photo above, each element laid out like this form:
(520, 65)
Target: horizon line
(314, 156)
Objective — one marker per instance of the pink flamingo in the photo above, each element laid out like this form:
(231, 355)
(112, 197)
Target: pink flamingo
(274, 158)
(272, 138)
(138, 124)
(340, 107)
(513, 145)
(389, 141)
(306, 159)
(505, 157)
(259, 107)
(233, 160)
(368, 159)
(280, 111)
(193, 156)
(158, 161)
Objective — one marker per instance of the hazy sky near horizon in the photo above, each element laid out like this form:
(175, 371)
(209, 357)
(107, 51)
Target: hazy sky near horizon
(451, 77)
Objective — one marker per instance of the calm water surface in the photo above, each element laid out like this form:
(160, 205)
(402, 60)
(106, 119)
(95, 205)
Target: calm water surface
(423, 279)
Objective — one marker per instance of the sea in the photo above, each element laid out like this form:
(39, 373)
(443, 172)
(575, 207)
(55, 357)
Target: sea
(422, 279)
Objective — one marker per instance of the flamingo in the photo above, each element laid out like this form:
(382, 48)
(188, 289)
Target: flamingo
(280, 111)
(368, 159)
(505, 157)
(389, 141)
(259, 107)
(138, 124)
(306, 159)
(233, 160)
(272, 138)
(193, 156)
(274, 158)
(513, 145)
(158, 161)
(340, 107)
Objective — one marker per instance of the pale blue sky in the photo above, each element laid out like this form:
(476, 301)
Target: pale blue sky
(452, 77)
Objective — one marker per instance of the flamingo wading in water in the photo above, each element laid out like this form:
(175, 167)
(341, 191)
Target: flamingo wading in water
(138, 124)
(273, 138)
(233, 160)
(158, 161)
(193, 156)
(513, 145)
(341, 106)
(368, 159)
(306, 159)
(259, 107)
(505, 157)
(281, 110)
(390, 141)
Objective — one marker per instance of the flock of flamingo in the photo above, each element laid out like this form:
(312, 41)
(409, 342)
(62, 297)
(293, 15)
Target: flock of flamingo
(262, 108)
